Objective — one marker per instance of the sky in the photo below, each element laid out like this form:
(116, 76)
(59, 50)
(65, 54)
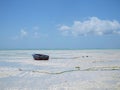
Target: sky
(59, 24)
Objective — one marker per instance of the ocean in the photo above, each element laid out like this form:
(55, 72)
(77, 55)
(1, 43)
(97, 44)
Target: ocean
(97, 69)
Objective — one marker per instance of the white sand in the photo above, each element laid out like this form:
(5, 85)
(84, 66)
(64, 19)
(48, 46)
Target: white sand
(65, 70)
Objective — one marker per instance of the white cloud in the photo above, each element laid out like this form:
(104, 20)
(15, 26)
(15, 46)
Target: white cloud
(63, 28)
(93, 25)
(23, 33)
(33, 33)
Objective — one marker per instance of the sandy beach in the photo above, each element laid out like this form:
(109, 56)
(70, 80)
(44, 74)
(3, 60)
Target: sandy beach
(65, 70)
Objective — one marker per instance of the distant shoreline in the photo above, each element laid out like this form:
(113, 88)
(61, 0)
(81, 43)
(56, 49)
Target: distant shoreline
(68, 49)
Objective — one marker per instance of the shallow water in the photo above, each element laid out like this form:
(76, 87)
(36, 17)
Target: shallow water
(65, 70)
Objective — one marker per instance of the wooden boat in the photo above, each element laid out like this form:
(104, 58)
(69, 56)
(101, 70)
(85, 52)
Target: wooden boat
(40, 57)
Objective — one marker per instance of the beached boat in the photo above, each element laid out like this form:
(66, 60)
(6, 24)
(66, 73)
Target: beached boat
(40, 57)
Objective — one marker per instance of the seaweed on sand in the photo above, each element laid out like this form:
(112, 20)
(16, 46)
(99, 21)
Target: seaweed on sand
(77, 68)
(47, 72)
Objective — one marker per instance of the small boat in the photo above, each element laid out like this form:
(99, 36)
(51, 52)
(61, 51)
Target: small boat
(40, 57)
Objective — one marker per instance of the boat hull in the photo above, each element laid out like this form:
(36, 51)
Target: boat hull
(40, 57)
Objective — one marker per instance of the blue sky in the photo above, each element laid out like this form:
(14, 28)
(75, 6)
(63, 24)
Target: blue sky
(50, 24)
